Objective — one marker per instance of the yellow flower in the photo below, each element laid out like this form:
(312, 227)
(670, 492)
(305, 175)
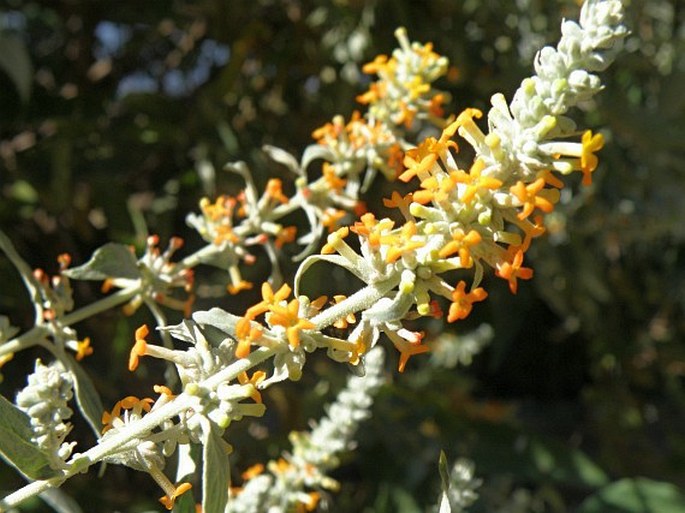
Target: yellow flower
(287, 316)
(588, 160)
(533, 196)
(255, 380)
(83, 349)
(475, 181)
(399, 244)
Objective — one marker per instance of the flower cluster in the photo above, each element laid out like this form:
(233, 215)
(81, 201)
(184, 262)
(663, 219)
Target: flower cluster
(352, 152)
(461, 220)
(404, 90)
(156, 277)
(298, 479)
(486, 215)
(44, 400)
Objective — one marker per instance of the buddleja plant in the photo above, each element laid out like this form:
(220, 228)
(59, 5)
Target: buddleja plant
(473, 217)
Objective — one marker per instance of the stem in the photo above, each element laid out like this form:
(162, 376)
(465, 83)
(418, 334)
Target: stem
(80, 462)
(31, 338)
(119, 297)
(360, 300)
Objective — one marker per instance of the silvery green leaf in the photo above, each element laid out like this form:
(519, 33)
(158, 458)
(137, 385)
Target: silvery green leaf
(87, 398)
(332, 259)
(110, 261)
(216, 472)
(283, 157)
(218, 318)
(16, 447)
(314, 152)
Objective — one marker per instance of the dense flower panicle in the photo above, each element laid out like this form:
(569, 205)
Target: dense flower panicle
(480, 217)
(44, 400)
(465, 217)
(294, 481)
(404, 91)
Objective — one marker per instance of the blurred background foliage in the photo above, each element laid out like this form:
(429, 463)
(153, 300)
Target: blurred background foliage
(117, 117)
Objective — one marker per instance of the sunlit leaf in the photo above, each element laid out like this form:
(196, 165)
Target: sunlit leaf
(110, 261)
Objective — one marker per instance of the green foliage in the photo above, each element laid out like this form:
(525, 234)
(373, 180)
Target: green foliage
(110, 261)
(215, 471)
(16, 446)
(638, 495)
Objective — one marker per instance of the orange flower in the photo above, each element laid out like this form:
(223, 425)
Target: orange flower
(235, 288)
(139, 348)
(461, 243)
(401, 243)
(255, 380)
(510, 271)
(475, 181)
(371, 228)
(274, 190)
(252, 471)
(533, 196)
(246, 334)
(169, 500)
(462, 302)
(287, 316)
(285, 235)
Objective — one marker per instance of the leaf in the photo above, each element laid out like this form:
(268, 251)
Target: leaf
(283, 157)
(504, 449)
(16, 62)
(110, 261)
(87, 398)
(185, 503)
(314, 152)
(15, 445)
(333, 259)
(444, 484)
(216, 473)
(635, 495)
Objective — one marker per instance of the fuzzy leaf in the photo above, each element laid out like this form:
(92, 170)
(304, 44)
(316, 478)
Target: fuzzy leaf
(283, 157)
(314, 152)
(87, 398)
(16, 447)
(110, 261)
(216, 473)
(332, 259)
